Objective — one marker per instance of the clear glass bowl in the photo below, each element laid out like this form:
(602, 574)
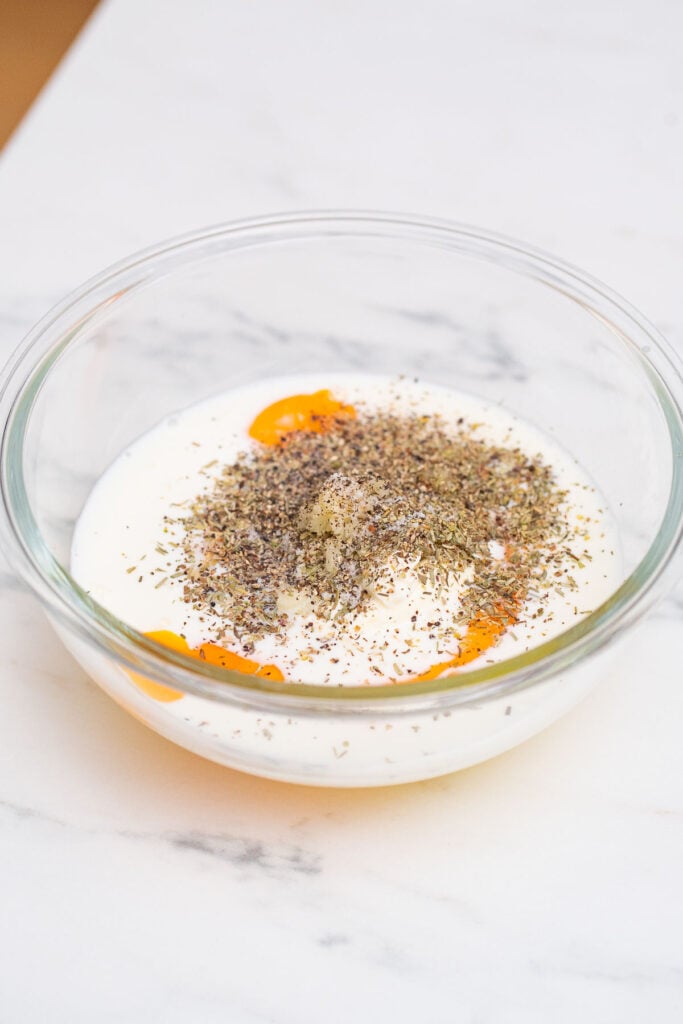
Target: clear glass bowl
(339, 292)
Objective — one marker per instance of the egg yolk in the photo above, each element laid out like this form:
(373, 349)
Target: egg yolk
(212, 654)
(482, 633)
(316, 414)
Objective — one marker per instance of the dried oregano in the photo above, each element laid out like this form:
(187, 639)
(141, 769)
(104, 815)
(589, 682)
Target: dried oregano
(323, 521)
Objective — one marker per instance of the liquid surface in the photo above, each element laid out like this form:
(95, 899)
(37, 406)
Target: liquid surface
(123, 547)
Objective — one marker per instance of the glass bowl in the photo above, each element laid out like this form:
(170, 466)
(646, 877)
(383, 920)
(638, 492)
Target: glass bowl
(330, 292)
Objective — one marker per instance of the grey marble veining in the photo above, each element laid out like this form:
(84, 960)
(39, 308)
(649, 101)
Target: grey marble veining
(141, 884)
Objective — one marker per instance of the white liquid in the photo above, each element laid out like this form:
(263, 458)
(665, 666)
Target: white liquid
(117, 536)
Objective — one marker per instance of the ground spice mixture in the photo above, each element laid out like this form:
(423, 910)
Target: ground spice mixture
(323, 522)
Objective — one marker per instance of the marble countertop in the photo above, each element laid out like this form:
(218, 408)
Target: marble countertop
(142, 884)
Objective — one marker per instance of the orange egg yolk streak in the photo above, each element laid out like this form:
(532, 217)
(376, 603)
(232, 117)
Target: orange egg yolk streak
(482, 633)
(212, 654)
(316, 414)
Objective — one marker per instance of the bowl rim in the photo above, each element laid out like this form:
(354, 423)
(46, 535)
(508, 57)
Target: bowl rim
(65, 600)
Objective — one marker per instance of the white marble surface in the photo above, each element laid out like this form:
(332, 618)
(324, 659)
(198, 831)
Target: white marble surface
(140, 883)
